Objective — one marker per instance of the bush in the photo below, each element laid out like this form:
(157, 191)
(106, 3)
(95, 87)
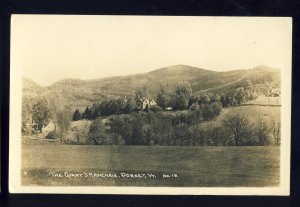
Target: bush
(240, 128)
(52, 135)
(179, 102)
(218, 136)
(262, 133)
(97, 133)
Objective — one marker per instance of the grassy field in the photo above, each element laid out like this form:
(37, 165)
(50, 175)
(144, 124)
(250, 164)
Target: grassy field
(252, 112)
(56, 165)
(263, 100)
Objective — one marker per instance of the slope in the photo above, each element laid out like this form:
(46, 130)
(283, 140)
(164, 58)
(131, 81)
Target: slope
(77, 93)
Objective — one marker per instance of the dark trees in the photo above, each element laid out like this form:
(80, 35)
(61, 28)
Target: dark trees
(240, 95)
(76, 115)
(209, 112)
(87, 114)
(162, 97)
(179, 103)
(215, 98)
(204, 99)
(183, 92)
(129, 106)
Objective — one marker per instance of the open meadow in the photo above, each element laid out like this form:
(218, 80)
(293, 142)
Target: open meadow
(252, 112)
(52, 164)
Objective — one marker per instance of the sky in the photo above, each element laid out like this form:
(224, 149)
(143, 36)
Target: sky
(47, 48)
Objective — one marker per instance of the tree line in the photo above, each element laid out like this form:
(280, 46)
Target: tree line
(182, 128)
(179, 98)
(160, 126)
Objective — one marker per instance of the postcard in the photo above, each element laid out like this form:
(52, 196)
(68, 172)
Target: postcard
(162, 105)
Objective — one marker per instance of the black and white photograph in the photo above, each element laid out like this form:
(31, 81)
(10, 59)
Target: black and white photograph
(150, 105)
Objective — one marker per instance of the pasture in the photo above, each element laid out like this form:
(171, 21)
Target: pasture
(252, 112)
(57, 165)
(264, 100)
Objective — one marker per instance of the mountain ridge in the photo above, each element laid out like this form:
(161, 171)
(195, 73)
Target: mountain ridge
(78, 93)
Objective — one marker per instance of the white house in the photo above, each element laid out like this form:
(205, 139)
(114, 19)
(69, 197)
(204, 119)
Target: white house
(153, 103)
(275, 92)
(147, 104)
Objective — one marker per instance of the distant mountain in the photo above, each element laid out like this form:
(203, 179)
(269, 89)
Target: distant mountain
(30, 88)
(78, 93)
(178, 71)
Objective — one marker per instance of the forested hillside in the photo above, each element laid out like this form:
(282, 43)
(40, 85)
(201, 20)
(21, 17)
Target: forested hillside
(75, 93)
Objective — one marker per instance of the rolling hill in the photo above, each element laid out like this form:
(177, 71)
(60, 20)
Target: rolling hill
(77, 93)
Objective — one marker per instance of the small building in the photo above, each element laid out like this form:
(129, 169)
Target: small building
(275, 92)
(50, 127)
(153, 103)
(147, 104)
